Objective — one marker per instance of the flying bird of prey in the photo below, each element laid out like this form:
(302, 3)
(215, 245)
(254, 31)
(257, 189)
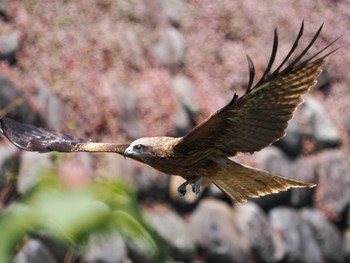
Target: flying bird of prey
(245, 125)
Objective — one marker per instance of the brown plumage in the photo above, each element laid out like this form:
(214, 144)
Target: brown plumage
(247, 124)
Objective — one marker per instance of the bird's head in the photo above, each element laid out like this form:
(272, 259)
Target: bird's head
(149, 148)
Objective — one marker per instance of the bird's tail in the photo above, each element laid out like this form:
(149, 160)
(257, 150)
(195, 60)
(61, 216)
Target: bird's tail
(239, 182)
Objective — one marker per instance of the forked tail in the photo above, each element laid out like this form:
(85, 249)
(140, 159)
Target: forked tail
(239, 182)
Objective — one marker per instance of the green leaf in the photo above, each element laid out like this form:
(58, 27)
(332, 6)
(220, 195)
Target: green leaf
(71, 216)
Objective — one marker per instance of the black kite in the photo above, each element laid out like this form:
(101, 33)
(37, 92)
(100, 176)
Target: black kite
(247, 124)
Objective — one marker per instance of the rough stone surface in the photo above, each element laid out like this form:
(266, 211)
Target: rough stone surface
(214, 230)
(175, 233)
(188, 107)
(107, 249)
(296, 236)
(114, 166)
(346, 245)
(77, 169)
(9, 44)
(214, 191)
(169, 50)
(32, 164)
(34, 251)
(173, 10)
(317, 123)
(135, 57)
(304, 169)
(126, 105)
(14, 104)
(332, 192)
(256, 227)
(3, 7)
(49, 104)
(185, 91)
(326, 233)
(147, 181)
(182, 121)
(291, 144)
(150, 182)
(58, 249)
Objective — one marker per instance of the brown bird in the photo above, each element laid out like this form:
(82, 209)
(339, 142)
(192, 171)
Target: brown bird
(245, 125)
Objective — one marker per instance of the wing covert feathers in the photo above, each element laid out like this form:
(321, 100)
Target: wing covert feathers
(240, 182)
(31, 138)
(259, 117)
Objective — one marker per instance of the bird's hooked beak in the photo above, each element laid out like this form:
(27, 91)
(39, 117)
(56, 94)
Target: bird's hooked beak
(128, 152)
(131, 153)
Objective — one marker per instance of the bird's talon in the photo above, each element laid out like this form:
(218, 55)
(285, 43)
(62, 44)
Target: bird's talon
(182, 189)
(182, 193)
(196, 187)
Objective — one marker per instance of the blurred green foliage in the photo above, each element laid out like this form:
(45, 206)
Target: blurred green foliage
(71, 216)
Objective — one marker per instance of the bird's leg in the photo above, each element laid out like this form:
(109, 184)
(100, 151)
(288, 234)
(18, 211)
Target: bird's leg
(182, 189)
(196, 187)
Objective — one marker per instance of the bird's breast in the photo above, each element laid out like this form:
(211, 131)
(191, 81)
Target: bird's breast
(183, 165)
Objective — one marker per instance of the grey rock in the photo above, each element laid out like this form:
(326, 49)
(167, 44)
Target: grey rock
(292, 143)
(304, 169)
(185, 91)
(58, 249)
(150, 182)
(173, 10)
(214, 191)
(147, 181)
(169, 50)
(126, 105)
(214, 230)
(318, 124)
(34, 251)
(49, 104)
(256, 227)
(296, 236)
(136, 59)
(174, 231)
(32, 165)
(14, 104)
(182, 122)
(9, 44)
(324, 83)
(3, 7)
(188, 107)
(114, 166)
(106, 249)
(273, 160)
(332, 192)
(77, 169)
(346, 245)
(326, 233)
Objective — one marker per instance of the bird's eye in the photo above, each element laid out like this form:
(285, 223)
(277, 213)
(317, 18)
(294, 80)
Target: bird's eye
(138, 147)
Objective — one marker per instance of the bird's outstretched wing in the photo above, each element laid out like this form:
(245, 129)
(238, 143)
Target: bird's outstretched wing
(31, 138)
(258, 118)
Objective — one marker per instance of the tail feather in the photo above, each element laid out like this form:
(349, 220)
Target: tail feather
(239, 182)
